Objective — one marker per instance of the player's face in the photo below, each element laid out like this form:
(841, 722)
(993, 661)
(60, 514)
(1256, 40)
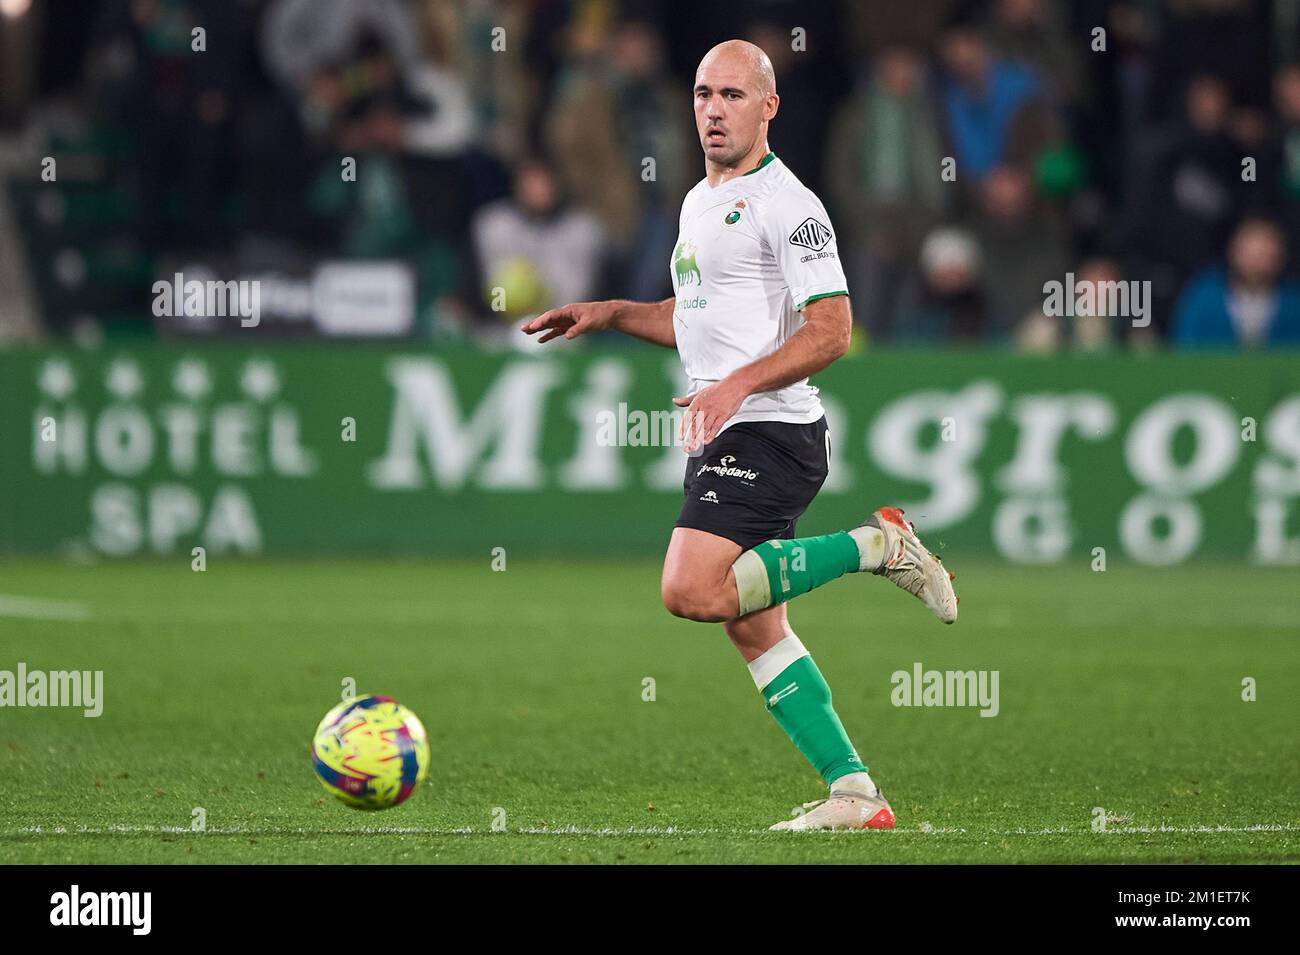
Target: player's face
(730, 111)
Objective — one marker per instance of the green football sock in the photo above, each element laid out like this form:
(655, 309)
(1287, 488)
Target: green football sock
(778, 570)
(799, 698)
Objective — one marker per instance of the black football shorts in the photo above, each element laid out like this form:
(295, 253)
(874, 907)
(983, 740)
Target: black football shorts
(753, 481)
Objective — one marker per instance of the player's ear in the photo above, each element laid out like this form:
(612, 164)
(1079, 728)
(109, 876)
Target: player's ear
(770, 106)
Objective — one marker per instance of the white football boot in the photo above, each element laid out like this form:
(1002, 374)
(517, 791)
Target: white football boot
(909, 565)
(841, 811)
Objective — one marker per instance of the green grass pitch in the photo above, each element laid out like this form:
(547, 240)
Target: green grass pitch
(1120, 690)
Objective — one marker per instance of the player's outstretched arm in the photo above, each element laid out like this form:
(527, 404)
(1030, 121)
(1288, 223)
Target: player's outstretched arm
(650, 321)
(823, 337)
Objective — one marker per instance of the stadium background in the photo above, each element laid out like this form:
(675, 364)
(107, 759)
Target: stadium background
(511, 156)
(395, 494)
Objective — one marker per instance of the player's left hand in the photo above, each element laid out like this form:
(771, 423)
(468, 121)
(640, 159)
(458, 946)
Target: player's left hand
(707, 410)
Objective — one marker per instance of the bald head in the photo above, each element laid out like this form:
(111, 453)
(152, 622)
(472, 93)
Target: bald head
(735, 98)
(746, 57)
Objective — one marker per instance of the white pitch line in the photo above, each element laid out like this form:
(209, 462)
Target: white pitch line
(362, 831)
(607, 832)
(39, 608)
(1261, 827)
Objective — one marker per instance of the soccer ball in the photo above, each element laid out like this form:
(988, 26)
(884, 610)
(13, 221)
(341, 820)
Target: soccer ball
(516, 289)
(371, 752)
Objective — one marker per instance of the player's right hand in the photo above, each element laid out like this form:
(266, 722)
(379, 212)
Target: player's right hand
(571, 320)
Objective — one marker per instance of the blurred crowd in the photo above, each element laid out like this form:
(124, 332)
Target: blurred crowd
(968, 153)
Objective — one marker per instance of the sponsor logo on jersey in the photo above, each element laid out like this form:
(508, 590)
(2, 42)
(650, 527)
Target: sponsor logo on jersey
(811, 235)
(684, 266)
(709, 497)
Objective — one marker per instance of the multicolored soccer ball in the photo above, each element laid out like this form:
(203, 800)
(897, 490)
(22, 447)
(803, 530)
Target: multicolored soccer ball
(371, 752)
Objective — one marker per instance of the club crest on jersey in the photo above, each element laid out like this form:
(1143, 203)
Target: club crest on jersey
(811, 234)
(684, 265)
(734, 215)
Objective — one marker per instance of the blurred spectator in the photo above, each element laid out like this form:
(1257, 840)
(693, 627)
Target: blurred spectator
(1060, 151)
(1247, 304)
(617, 117)
(1286, 93)
(1022, 246)
(307, 43)
(1094, 329)
(499, 50)
(363, 81)
(180, 110)
(653, 123)
(1276, 187)
(950, 305)
(1033, 32)
(1180, 197)
(1225, 38)
(884, 162)
(534, 250)
(364, 89)
(1089, 326)
(1117, 85)
(994, 108)
(807, 90)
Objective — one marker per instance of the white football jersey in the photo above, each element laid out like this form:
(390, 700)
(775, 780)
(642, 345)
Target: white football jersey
(750, 254)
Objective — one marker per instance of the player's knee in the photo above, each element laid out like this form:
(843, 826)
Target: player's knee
(690, 601)
(679, 600)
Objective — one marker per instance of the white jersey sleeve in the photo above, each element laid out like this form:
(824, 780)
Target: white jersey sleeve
(798, 231)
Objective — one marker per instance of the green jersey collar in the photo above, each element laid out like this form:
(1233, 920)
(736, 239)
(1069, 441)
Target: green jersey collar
(762, 162)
